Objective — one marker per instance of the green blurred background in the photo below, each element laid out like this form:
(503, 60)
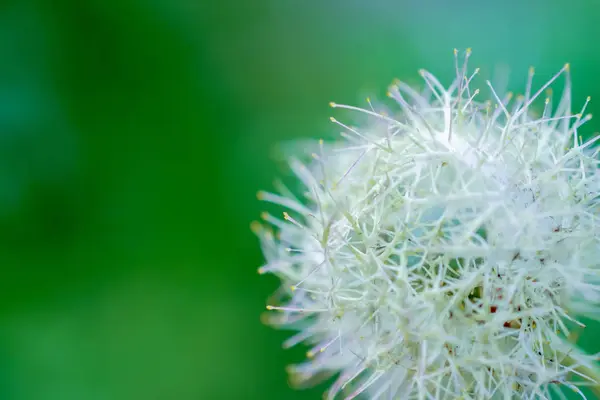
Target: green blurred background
(134, 135)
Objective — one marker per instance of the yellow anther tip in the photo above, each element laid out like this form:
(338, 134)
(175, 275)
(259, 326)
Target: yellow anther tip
(269, 308)
(332, 104)
(567, 66)
(264, 215)
(293, 288)
(332, 119)
(286, 215)
(260, 195)
(255, 227)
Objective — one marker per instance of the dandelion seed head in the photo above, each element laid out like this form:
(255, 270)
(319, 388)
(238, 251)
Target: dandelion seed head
(445, 251)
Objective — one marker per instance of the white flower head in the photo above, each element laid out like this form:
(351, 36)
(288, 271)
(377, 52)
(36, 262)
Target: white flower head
(446, 252)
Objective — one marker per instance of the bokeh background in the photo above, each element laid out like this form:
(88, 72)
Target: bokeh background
(134, 135)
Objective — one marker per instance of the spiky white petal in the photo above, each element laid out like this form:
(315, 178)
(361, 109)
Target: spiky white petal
(441, 253)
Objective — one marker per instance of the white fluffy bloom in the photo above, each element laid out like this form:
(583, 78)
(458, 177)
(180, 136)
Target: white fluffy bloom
(443, 253)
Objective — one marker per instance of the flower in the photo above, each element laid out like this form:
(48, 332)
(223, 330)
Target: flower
(444, 253)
